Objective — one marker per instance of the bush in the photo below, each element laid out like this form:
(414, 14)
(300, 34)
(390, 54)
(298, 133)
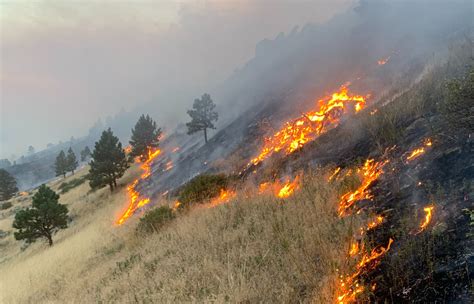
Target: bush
(201, 188)
(155, 219)
(5, 205)
(66, 186)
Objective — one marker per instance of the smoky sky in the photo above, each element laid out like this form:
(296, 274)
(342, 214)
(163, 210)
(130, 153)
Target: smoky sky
(66, 64)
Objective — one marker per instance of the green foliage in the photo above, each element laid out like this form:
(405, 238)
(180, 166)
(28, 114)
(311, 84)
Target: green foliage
(201, 188)
(61, 164)
(108, 162)
(66, 186)
(155, 219)
(145, 136)
(7, 185)
(457, 108)
(86, 153)
(71, 160)
(42, 220)
(5, 205)
(202, 115)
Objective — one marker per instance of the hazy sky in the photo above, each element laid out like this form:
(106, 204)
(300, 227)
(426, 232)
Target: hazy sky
(64, 64)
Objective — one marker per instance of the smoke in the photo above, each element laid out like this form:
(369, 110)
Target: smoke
(66, 64)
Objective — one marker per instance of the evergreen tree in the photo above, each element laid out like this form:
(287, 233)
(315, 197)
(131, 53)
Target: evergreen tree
(86, 153)
(108, 162)
(61, 165)
(71, 160)
(145, 137)
(7, 185)
(202, 115)
(42, 220)
(31, 150)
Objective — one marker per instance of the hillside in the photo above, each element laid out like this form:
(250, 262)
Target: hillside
(395, 228)
(341, 171)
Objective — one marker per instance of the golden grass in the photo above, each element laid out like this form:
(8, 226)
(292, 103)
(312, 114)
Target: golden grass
(254, 249)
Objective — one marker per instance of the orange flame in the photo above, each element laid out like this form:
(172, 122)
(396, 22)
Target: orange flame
(134, 196)
(419, 151)
(278, 189)
(225, 196)
(429, 214)
(374, 223)
(309, 125)
(350, 287)
(176, 205)
(334, 174)
(371, 171)
(383, 61)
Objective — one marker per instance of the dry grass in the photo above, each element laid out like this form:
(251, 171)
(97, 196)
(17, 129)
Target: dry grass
(257, 249)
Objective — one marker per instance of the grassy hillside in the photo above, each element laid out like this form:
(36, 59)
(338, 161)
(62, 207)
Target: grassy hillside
(255, 248)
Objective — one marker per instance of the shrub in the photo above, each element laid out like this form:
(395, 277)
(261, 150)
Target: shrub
(5, 205)
(201, 188)
(154, 219)
(67, 186)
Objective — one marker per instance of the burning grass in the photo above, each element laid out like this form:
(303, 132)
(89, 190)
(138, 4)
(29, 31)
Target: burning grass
(249, 249)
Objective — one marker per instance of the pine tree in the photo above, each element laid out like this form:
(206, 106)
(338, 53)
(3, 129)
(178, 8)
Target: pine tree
(61, 165)
(145, 137)
(42, 220)
(7, 185)
(202, 116)
(71, 160)
(108, 163)
(86, 153)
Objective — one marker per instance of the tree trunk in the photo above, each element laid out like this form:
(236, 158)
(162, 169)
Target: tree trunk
(115, 183)
(111, 185)
(64, 175)
(205, 135)
(72, 172)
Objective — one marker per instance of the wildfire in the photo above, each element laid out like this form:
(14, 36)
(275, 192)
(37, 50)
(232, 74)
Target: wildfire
(135, 202)
(377, 221)
(280, 190)
(334, 174)
(429, 214)
(370, 173)
(419, 151)
(350, 287)
(383, 61)
(225, 196)
(309, 125)
(176, 205)
(169, 165)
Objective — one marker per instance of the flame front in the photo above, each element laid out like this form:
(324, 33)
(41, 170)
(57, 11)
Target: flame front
(309, 125)
(225, 196)
(281, 190)
(135, 202)
(350, 287)
(370, 173)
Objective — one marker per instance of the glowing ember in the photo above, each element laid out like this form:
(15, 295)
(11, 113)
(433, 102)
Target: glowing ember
(383, 61)
(419, 151)
(128, 149)
(309, 125)
(224, 197)
(377, 221)
(370, 173)
(169, 165)
(429, 214)
(176, 205)
(176, 149)
(134, 196)
(334, 174)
